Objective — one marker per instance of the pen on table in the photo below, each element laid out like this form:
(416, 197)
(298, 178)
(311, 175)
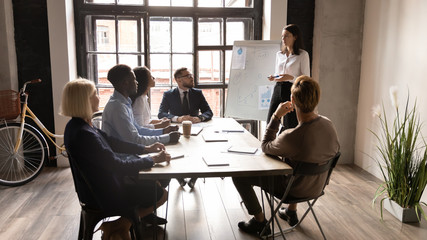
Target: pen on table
(234, 130)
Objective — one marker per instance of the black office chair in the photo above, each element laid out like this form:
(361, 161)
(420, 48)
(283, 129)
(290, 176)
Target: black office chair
(90, 216)
(304, 169)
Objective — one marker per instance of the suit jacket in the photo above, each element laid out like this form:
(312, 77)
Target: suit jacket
(171, 105)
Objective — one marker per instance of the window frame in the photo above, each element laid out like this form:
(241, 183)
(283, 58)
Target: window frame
(82, 10)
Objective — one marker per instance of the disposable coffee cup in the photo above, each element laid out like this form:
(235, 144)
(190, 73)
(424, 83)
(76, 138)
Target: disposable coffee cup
(186, 128)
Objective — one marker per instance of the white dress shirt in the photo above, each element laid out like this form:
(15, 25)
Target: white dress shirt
(142, 111)
(295, 65)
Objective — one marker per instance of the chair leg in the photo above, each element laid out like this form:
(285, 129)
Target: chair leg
(317, 221)
(136, 225)
(309, 209)
(89, 222)
(274, 213)
(81, 227)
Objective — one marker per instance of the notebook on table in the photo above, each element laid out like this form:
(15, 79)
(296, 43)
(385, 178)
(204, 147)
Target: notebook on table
(214, 137)
(195, 130)
(237, 149)
(215, 160)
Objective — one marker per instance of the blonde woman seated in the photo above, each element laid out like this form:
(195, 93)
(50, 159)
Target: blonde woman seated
(140, 106)
(95, 156)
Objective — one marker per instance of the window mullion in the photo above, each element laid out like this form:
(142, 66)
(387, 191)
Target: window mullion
(147, 40)
(117, 38)
(195, 49)
(138, 40)
(171, 53)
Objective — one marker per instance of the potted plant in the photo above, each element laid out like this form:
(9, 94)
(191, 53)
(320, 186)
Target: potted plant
(402, 154)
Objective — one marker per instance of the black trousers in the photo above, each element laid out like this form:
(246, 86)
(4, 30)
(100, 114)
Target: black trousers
(282, 93)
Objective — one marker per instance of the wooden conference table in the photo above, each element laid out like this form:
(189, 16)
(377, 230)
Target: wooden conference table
(195, 148)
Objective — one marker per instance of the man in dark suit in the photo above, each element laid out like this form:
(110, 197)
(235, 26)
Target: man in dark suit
(185, 103)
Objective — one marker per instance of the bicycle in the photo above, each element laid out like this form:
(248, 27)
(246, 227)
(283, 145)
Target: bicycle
(23, 149)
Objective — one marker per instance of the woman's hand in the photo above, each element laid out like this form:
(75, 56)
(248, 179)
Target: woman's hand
(155, 147)
(271, 78)
(162, 123)
(283, 109)
(163, 156)
(155, 121)
(283, 77)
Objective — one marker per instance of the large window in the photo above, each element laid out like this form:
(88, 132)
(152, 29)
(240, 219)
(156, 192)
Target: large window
(164, 35)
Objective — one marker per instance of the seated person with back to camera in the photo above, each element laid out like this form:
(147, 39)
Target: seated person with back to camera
(314, 140)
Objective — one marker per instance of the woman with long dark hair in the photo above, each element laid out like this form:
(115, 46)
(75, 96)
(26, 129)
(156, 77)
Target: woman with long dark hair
(140, 105)
(291, 62)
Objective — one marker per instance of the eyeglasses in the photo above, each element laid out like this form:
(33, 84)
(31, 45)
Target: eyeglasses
(187, 76)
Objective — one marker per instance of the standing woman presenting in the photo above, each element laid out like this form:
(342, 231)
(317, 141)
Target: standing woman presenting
(291, 62)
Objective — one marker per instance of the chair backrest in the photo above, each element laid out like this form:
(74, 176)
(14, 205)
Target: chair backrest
(310, 169)
(81, 185)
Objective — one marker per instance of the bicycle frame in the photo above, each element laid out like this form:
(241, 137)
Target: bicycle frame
(25, 110)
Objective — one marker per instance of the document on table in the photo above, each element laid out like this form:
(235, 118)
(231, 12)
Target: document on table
(195, 130)
(238, 149)
(215, 160)
(214, 137)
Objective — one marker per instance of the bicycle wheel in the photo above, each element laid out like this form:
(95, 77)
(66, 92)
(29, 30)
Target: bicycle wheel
(24, 165)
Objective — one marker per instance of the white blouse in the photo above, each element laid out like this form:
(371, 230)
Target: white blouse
(142, 111)
(295, 65)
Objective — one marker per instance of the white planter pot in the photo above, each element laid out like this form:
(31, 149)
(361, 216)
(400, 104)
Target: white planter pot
(405, 215)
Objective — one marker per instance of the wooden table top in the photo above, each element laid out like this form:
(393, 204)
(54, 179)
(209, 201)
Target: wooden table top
(195, 148)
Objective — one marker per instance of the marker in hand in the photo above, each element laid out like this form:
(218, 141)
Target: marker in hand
(273, 78)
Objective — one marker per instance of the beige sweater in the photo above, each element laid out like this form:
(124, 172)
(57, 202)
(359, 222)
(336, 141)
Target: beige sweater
(315, 141)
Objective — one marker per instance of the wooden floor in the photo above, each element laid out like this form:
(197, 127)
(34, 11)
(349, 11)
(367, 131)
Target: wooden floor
(48, 208)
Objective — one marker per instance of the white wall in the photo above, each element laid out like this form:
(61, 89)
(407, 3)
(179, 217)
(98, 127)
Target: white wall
(274, 19)
(8, 68)
(394, 53)
(62, 58)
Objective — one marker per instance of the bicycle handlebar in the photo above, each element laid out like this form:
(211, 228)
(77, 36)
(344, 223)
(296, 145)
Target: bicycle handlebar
(38, 80)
